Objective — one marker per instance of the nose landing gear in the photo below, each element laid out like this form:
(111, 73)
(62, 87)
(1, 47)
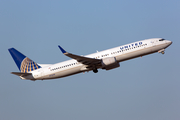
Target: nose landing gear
(161, 51)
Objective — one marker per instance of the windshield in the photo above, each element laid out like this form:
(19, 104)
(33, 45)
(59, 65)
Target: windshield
(162, 39)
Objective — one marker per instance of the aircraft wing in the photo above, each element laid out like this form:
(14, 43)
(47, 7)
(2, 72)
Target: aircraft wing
(84, 60)
(21, 74)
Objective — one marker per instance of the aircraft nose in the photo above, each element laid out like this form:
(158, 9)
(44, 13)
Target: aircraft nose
(169, 42)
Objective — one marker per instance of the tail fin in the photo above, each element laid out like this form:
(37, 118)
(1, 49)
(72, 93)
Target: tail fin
(23, 63)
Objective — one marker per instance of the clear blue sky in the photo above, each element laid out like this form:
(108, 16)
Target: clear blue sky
(141, 89)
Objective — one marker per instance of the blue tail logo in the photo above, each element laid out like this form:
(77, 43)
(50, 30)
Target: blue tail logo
(24, 64)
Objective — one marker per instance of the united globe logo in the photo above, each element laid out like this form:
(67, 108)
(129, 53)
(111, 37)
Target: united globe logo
(28, 65)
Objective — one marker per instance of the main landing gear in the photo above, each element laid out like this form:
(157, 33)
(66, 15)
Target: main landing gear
(95, 70)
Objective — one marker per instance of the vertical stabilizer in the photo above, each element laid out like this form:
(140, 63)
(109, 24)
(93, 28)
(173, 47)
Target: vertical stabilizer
(23, 63)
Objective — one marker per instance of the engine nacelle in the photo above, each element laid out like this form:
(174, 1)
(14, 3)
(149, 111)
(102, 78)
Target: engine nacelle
(109, 63)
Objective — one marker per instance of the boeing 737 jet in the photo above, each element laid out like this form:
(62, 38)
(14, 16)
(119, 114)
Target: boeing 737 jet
(107, 59)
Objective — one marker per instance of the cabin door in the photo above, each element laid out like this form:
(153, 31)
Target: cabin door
(153, 43)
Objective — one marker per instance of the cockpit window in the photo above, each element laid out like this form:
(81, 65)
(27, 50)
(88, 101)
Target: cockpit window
(162, 39)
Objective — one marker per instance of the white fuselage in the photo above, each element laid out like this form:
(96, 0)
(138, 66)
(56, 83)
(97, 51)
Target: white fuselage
(121, 53)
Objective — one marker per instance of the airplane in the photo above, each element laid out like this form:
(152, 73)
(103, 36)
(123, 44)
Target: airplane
(107, 60)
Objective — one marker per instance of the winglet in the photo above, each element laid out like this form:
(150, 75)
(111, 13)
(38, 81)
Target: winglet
(63, 51)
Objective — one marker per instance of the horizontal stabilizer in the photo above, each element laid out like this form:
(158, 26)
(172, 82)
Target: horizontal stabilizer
(21, 74)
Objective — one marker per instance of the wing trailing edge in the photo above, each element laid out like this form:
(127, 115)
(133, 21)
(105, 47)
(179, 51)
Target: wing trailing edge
(84, 60)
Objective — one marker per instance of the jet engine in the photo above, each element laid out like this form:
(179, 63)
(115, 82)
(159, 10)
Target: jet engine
(109, 63)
